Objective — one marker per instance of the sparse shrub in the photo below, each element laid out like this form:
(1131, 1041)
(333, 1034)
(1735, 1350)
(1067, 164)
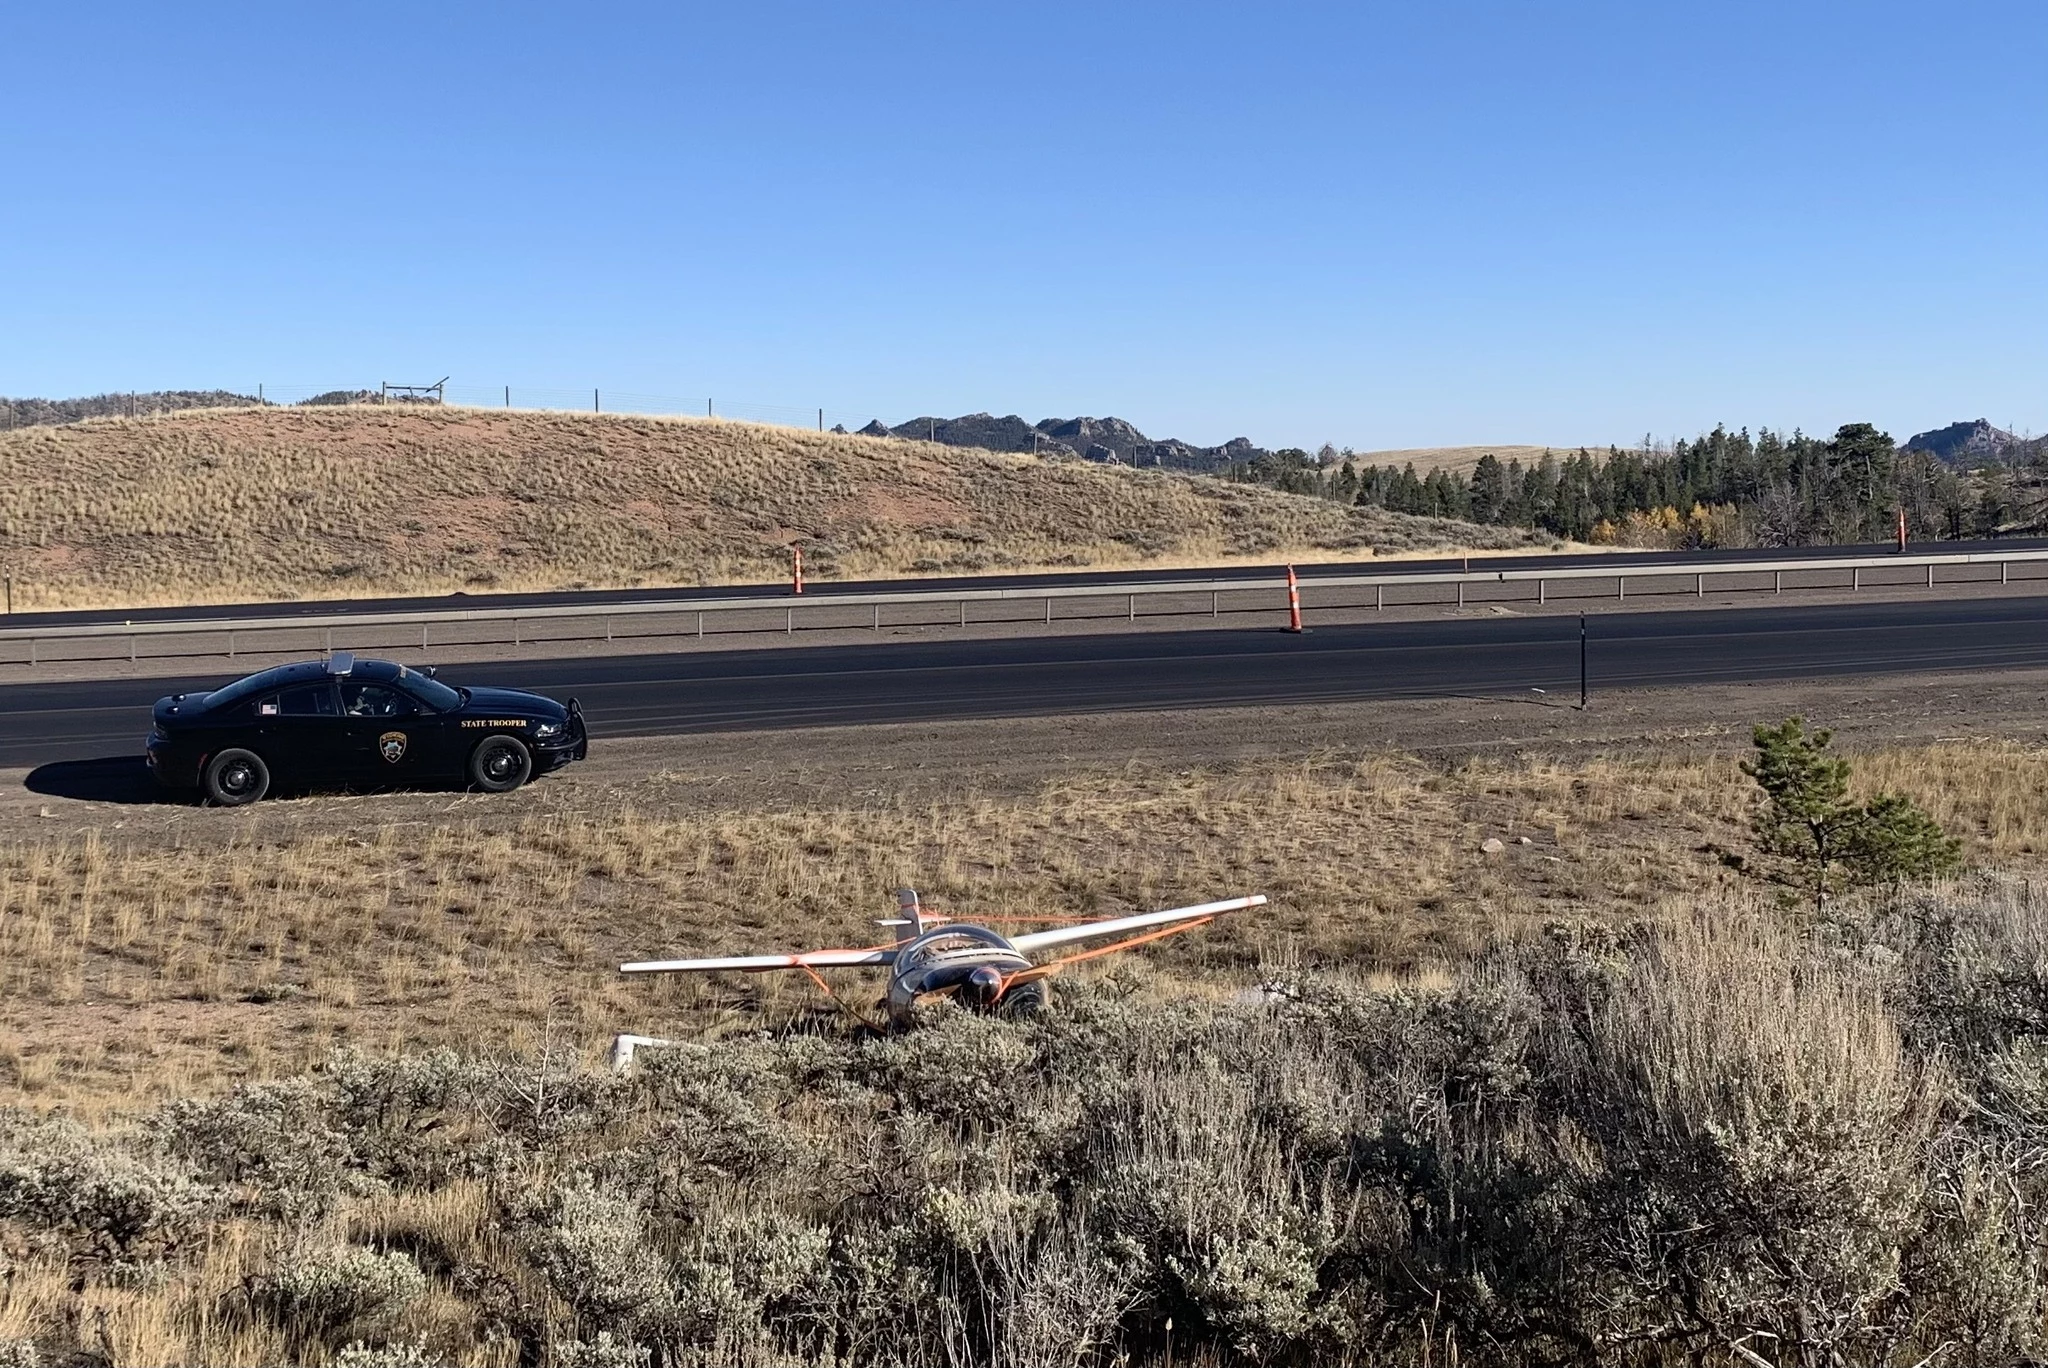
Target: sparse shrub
(327, 1290)
(272, 1143)
(593, 1250)
(98, 1197)
(752, 1270)
(403, 1354)
(605, 1351)
(961, 1067)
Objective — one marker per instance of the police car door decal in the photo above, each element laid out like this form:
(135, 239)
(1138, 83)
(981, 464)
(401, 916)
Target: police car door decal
(391, 745)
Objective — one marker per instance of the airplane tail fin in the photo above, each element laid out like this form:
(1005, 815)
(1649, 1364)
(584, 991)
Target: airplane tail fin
(911, 920)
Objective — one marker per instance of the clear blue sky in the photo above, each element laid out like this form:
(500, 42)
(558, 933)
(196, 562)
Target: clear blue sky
(1376, 225)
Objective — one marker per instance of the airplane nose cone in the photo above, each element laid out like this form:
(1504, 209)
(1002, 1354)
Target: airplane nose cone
(984, 984)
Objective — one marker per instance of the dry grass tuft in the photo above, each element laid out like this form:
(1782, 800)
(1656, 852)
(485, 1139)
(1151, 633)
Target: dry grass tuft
(238, 504)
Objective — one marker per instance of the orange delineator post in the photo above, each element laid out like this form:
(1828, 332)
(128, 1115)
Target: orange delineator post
(797, 563)
(1902, 527)
(1293, 601)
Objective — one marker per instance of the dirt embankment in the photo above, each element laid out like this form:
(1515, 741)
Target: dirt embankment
(239, 504)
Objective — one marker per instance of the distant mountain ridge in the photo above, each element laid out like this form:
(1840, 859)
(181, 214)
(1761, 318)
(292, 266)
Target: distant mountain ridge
(1972, 443)
(1091, 439)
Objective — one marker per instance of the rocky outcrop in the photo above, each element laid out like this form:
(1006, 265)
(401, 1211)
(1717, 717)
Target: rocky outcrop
(1972, 443)
(986, 431)
(1092, 439)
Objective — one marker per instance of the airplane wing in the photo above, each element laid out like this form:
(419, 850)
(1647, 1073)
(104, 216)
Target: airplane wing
(754, 964)
(1144, 921)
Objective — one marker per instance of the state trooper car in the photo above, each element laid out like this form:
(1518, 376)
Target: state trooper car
(354, 722)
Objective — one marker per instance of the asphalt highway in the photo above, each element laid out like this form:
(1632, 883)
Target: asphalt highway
(626, 696)
(1674, 562)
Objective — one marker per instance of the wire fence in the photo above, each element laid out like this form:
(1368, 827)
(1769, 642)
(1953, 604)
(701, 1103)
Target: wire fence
(596, 399)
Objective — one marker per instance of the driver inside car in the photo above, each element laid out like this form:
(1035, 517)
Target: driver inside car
(368, 700)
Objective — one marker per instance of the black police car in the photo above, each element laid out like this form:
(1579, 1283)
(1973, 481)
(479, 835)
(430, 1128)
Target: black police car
(348, 721)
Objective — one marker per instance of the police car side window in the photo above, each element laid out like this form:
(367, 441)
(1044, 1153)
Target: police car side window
(308, 700)
(374, 700)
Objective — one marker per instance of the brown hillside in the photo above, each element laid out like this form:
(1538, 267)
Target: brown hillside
(234, 504)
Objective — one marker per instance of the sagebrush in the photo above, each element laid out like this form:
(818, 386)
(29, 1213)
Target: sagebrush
(1728, 1135)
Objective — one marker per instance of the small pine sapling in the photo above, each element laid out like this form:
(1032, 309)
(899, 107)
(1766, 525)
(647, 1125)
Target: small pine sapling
(1808, 817)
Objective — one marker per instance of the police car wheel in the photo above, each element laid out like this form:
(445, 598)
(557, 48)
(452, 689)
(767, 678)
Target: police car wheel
(235, 777)
(500, 764)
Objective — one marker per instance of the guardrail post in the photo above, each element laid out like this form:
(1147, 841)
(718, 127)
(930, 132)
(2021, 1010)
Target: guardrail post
(789, 621)
(131, 650)
(1856, 577)
(963, 612)
(1379, 597)
(1621, 588)
(700, 622)
(1461, 593)
(1540, 587)
(1048, 610)
(1130, 606)
(2001, 571)
(423, 636)
(31, 650)
(330, 641)
(1214, 609)
(607, 633)
(231, 645)
(878, 614)
(1777, 581)
(1930, 574)
(1699, 586)
(516, 642)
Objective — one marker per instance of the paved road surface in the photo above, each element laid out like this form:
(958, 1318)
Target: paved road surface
(1674, 562)
(653, 694)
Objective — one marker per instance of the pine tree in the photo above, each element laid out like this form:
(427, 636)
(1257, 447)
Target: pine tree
(1807, 816)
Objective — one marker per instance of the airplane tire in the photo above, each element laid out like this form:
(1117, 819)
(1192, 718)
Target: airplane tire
(1024, 1000)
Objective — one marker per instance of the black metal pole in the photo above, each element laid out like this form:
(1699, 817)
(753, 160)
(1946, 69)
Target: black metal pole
(1582, 662)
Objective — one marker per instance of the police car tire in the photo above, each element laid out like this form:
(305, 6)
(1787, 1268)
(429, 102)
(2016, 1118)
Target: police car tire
(1023, 1000)
(485, 770)
(235, 777)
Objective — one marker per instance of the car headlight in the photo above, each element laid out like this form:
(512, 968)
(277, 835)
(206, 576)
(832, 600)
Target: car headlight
(546, 731)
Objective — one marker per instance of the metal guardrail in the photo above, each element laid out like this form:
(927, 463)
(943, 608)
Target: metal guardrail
(828, 611)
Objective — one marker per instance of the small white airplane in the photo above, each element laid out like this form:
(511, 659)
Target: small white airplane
(983, 969)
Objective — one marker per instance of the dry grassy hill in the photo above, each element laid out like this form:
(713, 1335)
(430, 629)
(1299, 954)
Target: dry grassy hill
(236, 504)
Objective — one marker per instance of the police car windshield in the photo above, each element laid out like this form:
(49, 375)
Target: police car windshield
(431, 692)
